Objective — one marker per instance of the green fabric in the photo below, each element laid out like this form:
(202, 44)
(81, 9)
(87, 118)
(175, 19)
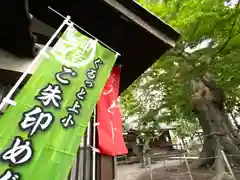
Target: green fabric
(55, 149)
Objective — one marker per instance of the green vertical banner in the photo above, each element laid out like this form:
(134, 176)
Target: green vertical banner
(40, 136)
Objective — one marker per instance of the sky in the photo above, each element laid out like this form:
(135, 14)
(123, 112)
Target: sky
(232, 3)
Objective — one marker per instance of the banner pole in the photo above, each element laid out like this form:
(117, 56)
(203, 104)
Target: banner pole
(20, 80)
(94, 144)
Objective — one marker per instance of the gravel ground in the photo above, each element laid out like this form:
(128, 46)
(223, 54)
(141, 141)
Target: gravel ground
(170, 170)
(132, 172)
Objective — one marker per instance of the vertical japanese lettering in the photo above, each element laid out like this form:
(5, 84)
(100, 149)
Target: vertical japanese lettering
(50, 95)
(97, 62)
(91, 74)
(81, 93)
(35, 120)
(65, 71)
(89, 84)
(20, 152)
(9, 174)
(75, 107)
(67, 121)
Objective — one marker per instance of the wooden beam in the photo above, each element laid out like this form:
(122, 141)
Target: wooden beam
(106, 168)
(129, 14)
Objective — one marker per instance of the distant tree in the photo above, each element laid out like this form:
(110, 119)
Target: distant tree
(197, 81)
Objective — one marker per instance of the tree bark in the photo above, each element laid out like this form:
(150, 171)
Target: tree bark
(219, 134)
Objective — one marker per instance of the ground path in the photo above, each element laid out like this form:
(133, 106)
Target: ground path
(132, 172)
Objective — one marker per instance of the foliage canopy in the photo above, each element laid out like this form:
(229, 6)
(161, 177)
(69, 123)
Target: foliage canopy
(210, 42)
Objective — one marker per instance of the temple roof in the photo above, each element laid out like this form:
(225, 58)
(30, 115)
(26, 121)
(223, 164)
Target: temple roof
(139, 36)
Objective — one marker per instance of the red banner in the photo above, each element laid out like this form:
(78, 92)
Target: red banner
(110, 138)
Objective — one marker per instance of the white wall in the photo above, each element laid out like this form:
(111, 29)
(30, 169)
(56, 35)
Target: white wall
(13, 63)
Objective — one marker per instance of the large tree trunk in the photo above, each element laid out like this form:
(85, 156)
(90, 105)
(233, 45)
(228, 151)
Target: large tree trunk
(219, 134)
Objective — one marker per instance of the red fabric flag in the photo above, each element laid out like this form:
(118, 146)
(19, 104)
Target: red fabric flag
(109, 117)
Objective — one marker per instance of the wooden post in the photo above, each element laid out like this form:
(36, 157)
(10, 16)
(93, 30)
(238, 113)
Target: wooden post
(115, 167)
(104, 164)
(189, 171)
(105, 167)
(84, 168)
(227, 164)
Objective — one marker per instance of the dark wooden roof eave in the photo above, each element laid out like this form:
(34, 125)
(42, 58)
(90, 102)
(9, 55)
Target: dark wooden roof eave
(140, 16)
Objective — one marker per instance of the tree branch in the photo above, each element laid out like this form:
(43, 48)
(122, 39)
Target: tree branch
(151, 114)
(230, 36)
(196, 28)
(226, 42)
